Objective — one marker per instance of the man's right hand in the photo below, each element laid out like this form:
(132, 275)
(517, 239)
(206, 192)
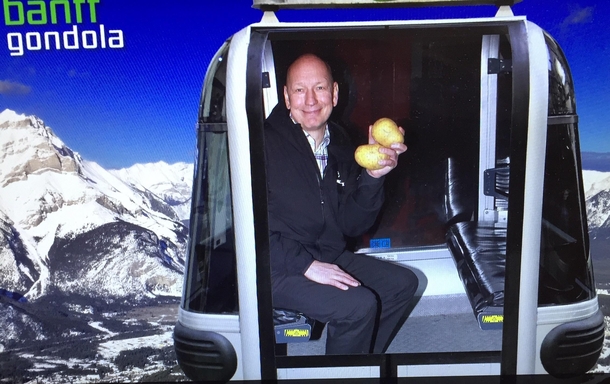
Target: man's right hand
(330, 274)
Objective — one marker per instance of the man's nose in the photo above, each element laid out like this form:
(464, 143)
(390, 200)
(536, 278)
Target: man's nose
(310, 97)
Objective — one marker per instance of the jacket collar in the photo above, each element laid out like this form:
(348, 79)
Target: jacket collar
(339, 148)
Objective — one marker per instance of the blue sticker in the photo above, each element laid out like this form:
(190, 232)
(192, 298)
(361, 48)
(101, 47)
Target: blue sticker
(381, 243)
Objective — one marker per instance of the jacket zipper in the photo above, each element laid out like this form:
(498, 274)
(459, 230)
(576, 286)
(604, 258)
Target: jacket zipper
(320, 189)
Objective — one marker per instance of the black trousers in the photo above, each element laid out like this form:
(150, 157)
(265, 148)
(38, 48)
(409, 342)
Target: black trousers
(361, 319)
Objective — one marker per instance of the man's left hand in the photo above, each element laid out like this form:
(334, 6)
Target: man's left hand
(392, 152)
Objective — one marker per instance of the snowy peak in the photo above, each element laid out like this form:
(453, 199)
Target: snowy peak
(597, 194)
(58, 211)
(12, 120)
(10, 116)
(30, 147)
(172, 183)
(150, 174)
(598, 210)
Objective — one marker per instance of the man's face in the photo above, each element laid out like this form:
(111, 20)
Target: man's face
(310, 93)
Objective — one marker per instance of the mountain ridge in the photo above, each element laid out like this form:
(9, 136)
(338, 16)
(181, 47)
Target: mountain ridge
(72, 201)
(170, 182)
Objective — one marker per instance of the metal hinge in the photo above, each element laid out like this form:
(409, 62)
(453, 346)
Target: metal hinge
(495, 66)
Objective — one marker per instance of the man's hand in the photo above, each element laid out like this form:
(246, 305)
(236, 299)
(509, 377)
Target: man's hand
(393, 152)
(330, 274)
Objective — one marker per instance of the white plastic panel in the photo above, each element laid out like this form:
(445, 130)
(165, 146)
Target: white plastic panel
(449, 370)
(241, 186)
(208, 322)
(436, 276)
(327, 373)
(434, 267)
(532, 205)
(552, 316)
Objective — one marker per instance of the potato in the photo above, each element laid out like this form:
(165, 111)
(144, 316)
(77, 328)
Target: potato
(385, 132)
(368, 156)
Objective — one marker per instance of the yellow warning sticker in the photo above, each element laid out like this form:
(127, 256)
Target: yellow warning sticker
(296, 332)
(492, 319)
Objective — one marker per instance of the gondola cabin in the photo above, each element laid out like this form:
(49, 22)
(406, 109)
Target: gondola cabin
(486, 206)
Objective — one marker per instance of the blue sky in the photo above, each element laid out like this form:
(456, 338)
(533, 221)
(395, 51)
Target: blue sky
(139, 103)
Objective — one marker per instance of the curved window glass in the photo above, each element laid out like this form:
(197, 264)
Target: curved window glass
(561, 87)
(565, 266)
(211, 281)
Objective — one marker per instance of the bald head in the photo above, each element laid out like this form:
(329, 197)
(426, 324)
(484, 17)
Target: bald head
(307, 60)
(310, 93)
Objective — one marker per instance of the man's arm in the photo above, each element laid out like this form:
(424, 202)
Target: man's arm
(365, 200)
(288, 257)
(363, 194)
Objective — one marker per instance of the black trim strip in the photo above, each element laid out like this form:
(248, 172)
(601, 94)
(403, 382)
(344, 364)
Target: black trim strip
(388, 363)
(339, 31)
(583, 212)
(561, 120)
(254, 111)
(518, 156)
(387, 367)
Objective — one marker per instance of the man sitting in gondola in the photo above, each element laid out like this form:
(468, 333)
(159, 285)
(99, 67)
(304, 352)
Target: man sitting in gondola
(318, 195)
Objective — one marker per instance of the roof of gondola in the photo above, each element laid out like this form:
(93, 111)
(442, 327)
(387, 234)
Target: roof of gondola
(274, 5)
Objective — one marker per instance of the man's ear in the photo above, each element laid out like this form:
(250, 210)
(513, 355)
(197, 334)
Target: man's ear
(335, 93)
(286, 98)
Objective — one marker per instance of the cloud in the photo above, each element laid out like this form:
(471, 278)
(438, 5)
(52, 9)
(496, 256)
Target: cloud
(11, 88)
(577, 16)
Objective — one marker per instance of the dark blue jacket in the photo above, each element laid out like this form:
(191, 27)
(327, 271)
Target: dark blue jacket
(309, 216)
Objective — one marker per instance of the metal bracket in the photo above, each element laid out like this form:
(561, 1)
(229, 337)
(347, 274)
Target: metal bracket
(266, 80)
(495, 182)
(496, 66)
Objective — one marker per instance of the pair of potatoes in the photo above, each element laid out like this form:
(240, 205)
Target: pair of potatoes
(385, 132)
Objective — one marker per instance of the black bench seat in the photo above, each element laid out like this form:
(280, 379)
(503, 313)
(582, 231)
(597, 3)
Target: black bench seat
(478, 247)
(479, 251)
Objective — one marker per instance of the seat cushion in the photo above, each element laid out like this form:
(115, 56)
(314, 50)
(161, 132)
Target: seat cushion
(479, 250)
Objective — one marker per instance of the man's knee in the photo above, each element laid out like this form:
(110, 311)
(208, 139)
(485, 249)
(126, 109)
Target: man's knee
(357, 307)
(405, 282)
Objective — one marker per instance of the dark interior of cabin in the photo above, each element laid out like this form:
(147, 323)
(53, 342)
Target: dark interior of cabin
(429, 84)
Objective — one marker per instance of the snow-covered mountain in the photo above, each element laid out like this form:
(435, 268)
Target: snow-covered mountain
(172, 183)
(597, 194)
(70, 227)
